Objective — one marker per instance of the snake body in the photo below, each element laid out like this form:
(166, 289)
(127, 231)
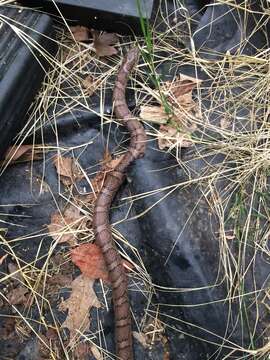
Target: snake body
(101, 224)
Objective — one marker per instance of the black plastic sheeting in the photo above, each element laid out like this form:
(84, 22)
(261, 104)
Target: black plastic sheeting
(21, 70)
(178, 250)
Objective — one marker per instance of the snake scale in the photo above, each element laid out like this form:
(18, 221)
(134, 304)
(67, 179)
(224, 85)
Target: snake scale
(101, 224)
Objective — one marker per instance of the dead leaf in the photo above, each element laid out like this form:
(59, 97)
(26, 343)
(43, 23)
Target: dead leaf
(63, 277)
(18, 296)
(13, 268)
(89, 84)
(90, 260)
(176, 129)
(65, 227)
(60, 280)
(7, 328)
(23, 153)
(167, 355)
(82, 351)
(103, 43)
(108, 164)
(169, 137)
(52, 338)
(180, 86)
(140, 337)
(80, 33)
(179, 96)
(153, 331)
(155, 114)
(52, 334)
(2, 258)
(80, 302)
(67, 169)
(96, 353)
(15, 152)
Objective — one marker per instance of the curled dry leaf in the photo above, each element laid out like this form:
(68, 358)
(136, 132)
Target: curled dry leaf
(80, 33)
(103, 43)
(179, 96)
(179, 91)
(65, 226)
(23, 153)
(80, 302)
(67, 169)
(90, 260)
(96, 353)
(155, 114)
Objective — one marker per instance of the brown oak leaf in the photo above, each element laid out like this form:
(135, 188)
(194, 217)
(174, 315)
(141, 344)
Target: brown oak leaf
(80, 302)
(103, 43)
(180, 90)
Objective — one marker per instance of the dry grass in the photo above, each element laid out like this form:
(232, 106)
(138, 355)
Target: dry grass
(240, 137)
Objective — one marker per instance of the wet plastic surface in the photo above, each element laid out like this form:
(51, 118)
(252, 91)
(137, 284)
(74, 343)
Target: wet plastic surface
(21, 73)
(111, 15)
(179, 250)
